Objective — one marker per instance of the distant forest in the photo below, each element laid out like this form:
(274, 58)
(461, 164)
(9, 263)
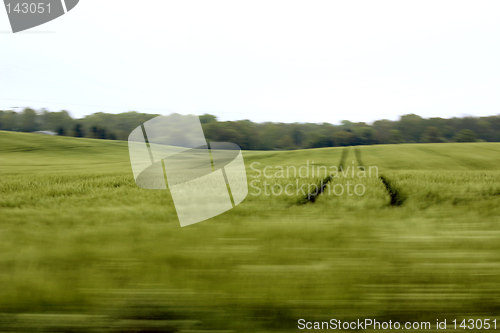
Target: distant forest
(409, 128)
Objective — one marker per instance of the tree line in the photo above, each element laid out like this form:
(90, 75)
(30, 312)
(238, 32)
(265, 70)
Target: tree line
(249, 135)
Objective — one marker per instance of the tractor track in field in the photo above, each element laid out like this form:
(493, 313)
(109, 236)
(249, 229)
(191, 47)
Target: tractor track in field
(357, 153)
(397, 197)
(320, 187)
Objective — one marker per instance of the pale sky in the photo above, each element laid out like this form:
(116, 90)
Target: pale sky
(282, 61)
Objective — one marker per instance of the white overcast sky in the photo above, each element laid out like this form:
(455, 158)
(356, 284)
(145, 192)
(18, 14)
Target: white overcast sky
(286, 61)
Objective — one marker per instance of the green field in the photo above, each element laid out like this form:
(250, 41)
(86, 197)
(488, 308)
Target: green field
(83, 249)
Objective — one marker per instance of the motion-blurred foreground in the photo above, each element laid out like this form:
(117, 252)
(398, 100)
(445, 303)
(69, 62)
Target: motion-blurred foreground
(83, 249)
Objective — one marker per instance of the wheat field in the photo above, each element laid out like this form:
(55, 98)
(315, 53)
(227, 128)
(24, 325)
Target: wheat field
(83, 249)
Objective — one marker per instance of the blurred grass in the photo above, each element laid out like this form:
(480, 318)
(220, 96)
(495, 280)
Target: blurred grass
(83, 249)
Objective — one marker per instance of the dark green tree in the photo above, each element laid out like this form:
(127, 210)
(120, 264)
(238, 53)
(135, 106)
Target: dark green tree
(411, 127)
(9, 121)
(465, 135)
(343, 138)
(207, 118)
(28, 120)
(78, 131)
(395, 136)
(432, 134)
